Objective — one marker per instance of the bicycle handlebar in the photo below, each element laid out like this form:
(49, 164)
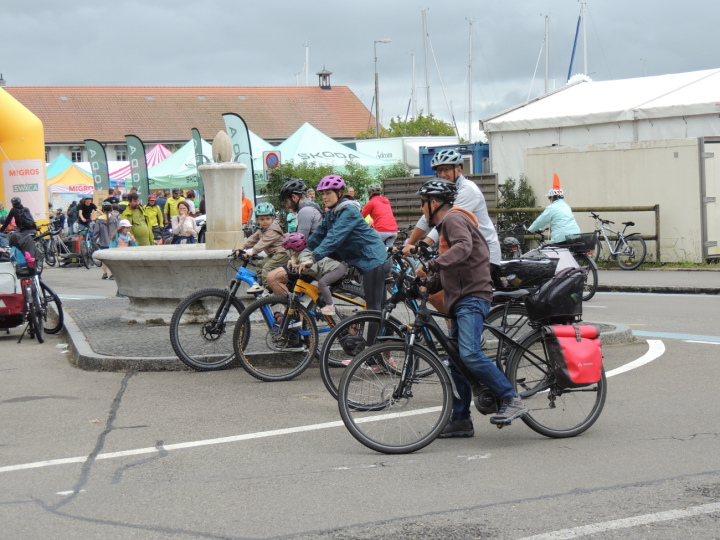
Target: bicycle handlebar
(603, 221)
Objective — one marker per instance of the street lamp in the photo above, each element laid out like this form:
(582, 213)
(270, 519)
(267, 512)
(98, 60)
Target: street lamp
(377, 89)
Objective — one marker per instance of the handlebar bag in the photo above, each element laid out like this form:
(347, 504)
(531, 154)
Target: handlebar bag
(576, 354)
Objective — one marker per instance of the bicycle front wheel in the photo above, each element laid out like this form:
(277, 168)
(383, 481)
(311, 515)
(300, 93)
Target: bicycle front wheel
(50, 298)
(631, 252)
(591, 280)
(85, 253)
(346, 340)
(553, 411)
(275, 340)
(381, 420)
(34, 313)
(200, 330)
(50, 254)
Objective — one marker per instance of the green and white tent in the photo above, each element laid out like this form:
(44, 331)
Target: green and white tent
(310, 144)
(179, 170)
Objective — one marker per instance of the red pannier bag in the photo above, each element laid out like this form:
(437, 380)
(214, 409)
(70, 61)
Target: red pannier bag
(576, 354)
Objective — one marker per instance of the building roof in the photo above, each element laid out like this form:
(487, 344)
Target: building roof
(71, 114)
(584, 103)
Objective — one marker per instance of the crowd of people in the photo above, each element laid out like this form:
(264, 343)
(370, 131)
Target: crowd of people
(322, 240)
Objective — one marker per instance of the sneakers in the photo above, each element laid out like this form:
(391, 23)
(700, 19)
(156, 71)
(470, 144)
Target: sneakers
(457, 428)
(104, 276)
(112, 277)
(256, 288)
(328, 310)
(510, 409)
(376, 368)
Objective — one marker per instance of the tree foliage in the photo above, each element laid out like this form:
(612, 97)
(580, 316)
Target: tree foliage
(515, 194)
(422, 126)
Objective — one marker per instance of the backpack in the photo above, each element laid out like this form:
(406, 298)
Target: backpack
(25, 221)
(559, 299)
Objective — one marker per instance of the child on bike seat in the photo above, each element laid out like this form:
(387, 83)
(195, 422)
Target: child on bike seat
(462, 270)
(326, 271)
(269, 238)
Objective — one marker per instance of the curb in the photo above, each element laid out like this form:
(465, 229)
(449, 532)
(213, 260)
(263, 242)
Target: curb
(659, 289)
(85, 358)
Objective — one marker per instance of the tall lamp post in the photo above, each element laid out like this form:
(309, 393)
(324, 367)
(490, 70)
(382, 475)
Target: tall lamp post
(377, 88)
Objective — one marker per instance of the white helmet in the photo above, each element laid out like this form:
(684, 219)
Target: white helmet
(555, 193)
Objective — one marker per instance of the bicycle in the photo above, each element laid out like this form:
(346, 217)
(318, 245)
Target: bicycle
(629, 251)
(580, 246)
(87, 247)
(398, 411)
(350, 337)
(276, 337)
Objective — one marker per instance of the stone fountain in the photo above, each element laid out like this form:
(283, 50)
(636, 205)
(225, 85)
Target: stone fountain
(156, 278)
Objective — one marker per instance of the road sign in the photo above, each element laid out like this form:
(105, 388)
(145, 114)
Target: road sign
(271, 161)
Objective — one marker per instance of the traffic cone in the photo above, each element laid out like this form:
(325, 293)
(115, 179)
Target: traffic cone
(556, 181)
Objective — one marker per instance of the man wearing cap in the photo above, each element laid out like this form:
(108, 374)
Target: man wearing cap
(155, 217)
(171, 205)
(135, 214)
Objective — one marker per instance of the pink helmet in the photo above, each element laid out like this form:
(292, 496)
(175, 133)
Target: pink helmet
(331, 181)
(295, 241)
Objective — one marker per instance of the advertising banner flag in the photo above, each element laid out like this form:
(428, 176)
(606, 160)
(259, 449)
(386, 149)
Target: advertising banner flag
(98, 164)
(199, 159)
(138, 166)
(239, 135)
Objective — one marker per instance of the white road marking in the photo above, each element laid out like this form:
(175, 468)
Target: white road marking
(703, 342)
(626, 523)
(656, 349)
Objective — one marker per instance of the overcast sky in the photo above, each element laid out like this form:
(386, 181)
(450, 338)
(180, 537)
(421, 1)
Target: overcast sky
(242, 43)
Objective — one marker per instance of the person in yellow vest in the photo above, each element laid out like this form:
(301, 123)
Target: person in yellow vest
(155, 217)
(462, 270)
(135, 214)
(171, 205)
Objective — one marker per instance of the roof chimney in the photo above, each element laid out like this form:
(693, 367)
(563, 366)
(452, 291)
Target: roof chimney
(324, 77)
(2, 81)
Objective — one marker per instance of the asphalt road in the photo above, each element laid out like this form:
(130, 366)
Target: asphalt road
(221, 455)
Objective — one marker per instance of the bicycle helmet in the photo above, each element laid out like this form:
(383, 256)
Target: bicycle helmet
(265, 209)
(331, 181)
(555, 193)
(16, 201)
(439, 189)
(295, 241)
(294, 185)
(446, 157)
(374, 189)
(106, 206)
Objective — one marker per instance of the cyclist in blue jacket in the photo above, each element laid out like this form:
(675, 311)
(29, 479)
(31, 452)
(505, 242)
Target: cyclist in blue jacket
(344, 231)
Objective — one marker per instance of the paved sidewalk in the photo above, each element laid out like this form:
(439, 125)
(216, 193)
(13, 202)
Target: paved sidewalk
(99, 340)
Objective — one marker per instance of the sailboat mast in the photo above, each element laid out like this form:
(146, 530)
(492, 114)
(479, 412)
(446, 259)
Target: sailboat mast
(470, 83)
(425, 60)
(547, 52)
(583, 7)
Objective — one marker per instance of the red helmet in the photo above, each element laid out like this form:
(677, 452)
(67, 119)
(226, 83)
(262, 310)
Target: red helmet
(295, 241)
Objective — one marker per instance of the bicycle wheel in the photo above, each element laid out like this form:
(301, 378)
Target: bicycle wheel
(199, 335)
(85, 253)
(395, 425)
(50, 254)
(591, 281)
(50, 298)
(347, 339)
(274, 341)
(631, 252)
(597, 251)
(554, 412)
(514, 323)
(34, 313)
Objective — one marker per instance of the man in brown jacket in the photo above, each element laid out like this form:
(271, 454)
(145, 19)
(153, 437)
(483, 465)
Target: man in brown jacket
(462, 270)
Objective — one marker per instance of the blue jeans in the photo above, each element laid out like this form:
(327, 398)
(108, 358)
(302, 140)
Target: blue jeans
(467, 328)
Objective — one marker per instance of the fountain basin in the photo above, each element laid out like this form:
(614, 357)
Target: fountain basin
(156, 278)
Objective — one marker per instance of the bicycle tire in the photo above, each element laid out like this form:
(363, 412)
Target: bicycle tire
(597, 252)
(198, 340)
(264, 350)
(32, 304)
(345, 341)
(388, 425)
(84, 254)
(50, 255)
(553, 412)
(591, 280)
(49, 297)
(631, 253)
(515, 325)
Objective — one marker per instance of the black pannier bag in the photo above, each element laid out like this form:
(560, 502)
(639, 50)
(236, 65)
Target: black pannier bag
(522, 273)
(558, 300)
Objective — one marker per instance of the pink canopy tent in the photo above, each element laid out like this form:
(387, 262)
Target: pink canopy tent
(153, 157)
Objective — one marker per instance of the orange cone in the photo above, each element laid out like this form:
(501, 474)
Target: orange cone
(556, 181)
